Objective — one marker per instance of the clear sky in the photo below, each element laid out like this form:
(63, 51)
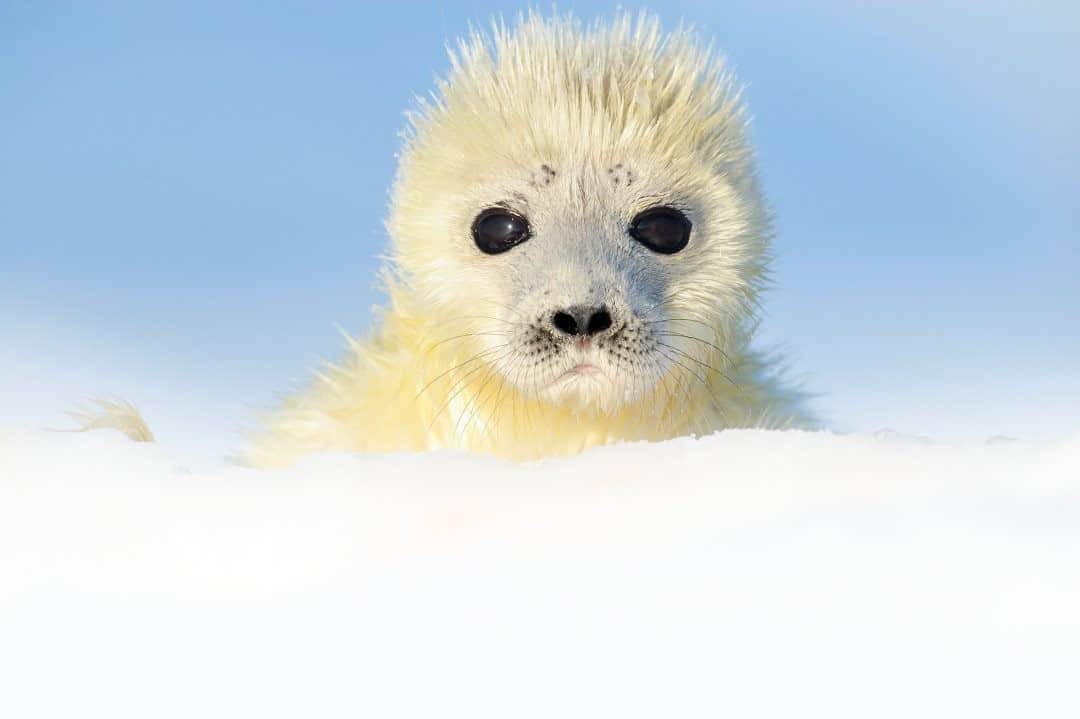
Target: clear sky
(192, 196)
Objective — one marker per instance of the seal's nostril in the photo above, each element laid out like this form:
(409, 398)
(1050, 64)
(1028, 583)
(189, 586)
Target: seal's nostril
(565, 323)
(600, 321)
(583, 321)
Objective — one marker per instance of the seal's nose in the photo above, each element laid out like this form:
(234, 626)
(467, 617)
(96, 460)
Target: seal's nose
(582, 321)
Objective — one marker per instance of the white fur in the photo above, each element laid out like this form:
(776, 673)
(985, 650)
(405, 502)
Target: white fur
(578, 129)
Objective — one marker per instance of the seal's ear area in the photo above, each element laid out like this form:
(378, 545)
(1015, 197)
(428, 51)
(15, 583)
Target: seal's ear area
(113, 414)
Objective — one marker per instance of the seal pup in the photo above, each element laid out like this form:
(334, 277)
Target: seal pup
(579, 243)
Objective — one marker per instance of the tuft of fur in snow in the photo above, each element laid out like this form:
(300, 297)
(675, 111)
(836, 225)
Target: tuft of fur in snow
(748, 573)
(120, 415)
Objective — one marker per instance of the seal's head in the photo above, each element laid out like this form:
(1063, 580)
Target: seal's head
(579, 206)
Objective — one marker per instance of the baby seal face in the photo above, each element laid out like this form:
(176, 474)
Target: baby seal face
(582, 265)
(587, 227)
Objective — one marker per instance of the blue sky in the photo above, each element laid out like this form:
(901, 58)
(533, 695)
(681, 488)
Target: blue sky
(192, 196)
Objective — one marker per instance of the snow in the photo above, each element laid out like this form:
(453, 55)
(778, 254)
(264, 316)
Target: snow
(746, 574)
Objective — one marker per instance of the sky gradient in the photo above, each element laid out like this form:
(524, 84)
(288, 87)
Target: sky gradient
(192, 197)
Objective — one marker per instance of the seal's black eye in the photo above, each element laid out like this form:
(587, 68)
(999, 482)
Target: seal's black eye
(496, 230)
(661, 229)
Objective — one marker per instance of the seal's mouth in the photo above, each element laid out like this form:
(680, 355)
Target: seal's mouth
(600, 372)
(584, 368)
(578, 371)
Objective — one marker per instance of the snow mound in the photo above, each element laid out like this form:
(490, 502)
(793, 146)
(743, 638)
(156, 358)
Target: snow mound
(746, 574)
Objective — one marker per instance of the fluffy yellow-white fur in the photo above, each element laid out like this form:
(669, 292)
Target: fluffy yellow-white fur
(578, 129)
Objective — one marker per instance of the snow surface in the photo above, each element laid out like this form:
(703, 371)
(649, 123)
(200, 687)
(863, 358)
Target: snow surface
(747, 574)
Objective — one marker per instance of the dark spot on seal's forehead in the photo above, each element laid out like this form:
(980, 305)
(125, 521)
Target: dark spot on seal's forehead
(543, 177)
(621, 175)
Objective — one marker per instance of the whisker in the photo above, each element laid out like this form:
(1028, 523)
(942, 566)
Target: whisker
(695, 359)
(696, 339)
(475, 357)
(716, 401)
(682, 389)
(485, 317)
(475, 404)
(465, 335)
(663, 320)
(481, 405)
(456, 389)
